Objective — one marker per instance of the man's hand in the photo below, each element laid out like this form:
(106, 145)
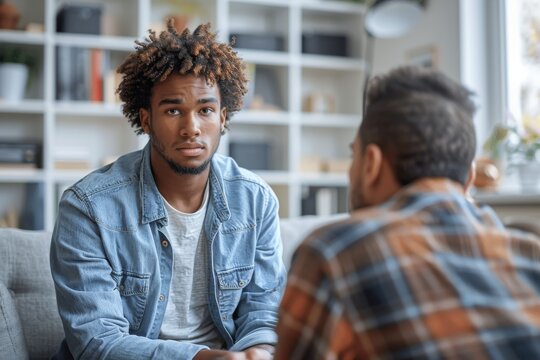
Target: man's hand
(257, 352)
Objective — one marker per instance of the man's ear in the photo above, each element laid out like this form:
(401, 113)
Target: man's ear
(373, 163)
(470, 181)
(144, 115)
(222, 119)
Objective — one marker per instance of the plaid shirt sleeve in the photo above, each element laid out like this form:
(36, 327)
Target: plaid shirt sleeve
(309, 313)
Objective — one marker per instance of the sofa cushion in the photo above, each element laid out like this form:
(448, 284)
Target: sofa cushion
(295, 229)
(25, 272)
(12, 344)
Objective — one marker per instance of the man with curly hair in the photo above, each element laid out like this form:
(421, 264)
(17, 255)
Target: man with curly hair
(173, 251)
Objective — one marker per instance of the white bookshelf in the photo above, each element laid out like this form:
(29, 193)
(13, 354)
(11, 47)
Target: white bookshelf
(101, 131)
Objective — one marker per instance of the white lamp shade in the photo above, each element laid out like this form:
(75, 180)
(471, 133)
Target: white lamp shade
(390, 19)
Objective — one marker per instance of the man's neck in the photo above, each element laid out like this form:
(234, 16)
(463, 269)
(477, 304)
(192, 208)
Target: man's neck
(184, 192)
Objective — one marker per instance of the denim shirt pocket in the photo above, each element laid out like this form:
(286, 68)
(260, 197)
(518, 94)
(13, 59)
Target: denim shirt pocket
(231, 283)
(133, 289)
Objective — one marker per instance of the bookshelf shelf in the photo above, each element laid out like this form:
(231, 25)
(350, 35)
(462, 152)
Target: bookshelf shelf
(86, 108)
(261, 117)
(21, 37)
(330, 120)
(332, 63)
(119, 43)
(265, 57)
(19, 175)
(23, 107)
(333, 7)
(323, 179)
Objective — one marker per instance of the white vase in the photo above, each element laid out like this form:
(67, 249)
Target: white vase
(13, 79)
(529, 175)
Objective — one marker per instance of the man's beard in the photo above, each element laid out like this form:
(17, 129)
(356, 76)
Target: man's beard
(177, 168)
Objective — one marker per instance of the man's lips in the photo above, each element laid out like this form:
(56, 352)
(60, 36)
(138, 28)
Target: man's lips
(190, 149)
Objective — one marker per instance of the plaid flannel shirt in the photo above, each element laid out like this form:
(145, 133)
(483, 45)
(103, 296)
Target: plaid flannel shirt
(427, 275)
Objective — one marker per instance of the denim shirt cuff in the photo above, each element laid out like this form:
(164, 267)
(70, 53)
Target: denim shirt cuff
(258, 337)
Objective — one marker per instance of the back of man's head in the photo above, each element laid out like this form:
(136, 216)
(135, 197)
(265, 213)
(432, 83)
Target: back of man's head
(423, 123)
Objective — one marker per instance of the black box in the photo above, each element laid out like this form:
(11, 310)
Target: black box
(251, 155)
(17, 153)
(324, 44)
(79, 19)
(258, 41)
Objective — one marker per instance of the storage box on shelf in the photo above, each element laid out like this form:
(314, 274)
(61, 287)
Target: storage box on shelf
(304, 102)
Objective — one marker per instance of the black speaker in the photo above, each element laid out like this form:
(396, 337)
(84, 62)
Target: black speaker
(79, 19)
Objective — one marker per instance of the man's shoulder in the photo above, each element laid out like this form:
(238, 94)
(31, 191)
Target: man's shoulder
(125, 170)
(363, 230)
(233, 174)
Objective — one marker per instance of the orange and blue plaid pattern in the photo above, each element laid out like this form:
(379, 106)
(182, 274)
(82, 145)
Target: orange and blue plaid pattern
(427, 275)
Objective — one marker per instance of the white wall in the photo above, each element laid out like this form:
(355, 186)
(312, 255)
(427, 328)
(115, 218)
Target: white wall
(468, 36)
(439, 26)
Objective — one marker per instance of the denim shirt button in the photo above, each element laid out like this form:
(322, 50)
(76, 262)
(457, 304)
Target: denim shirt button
(161, 297)
(241, 283)
(164, 243)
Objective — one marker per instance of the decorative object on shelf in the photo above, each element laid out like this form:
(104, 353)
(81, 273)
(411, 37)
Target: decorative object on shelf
(79, 19)
(9, 15)
(10, 219)
(32, 215)
(266, 94)
(72, 158)
(18, 154)
(251, 155)
(340, 166)
(312, 164)
(393, 18)
(325, 44)
(269, 42)
(426, 56)
(521, 145)
(318, 102)
(15, 65)
(487, 173)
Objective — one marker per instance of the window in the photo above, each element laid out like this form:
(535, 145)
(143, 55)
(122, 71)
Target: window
(523, 68)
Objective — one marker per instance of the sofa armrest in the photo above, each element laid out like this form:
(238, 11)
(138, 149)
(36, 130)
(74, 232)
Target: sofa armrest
(12, 344)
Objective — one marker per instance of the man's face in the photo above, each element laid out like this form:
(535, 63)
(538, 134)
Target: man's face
(357, 196)
(184, 122)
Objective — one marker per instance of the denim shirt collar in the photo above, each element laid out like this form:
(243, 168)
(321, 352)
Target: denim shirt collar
(152, 206)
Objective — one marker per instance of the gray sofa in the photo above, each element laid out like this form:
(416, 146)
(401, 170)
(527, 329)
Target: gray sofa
(29, 323)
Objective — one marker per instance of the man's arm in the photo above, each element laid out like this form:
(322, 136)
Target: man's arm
(89, 302)
(257, 310)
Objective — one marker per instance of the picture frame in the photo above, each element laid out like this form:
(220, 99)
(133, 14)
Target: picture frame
(425, 56)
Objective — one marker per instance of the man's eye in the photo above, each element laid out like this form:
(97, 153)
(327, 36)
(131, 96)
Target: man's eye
(207, 110)
(173, 112)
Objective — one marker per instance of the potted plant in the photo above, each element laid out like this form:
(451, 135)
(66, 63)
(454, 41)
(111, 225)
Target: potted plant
(521, 145)
(15, 66)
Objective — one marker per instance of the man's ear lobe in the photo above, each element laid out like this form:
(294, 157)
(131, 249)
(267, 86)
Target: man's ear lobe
(144, 115)
(373, 162)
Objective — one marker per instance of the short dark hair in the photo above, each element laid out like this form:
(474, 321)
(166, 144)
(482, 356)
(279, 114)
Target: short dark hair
(196, 53)
(423, 123)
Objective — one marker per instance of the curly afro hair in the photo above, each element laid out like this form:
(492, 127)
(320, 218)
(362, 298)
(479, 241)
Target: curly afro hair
(197, 53)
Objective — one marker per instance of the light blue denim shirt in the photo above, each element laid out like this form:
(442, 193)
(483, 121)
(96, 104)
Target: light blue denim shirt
(111, 261)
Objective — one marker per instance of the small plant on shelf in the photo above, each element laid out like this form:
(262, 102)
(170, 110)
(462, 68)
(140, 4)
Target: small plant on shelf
(15, 66)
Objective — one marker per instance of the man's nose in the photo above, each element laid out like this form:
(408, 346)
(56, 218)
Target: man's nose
(190, 126)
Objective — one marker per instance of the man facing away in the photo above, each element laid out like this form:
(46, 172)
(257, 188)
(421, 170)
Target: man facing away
(171, 252)
(417, 271)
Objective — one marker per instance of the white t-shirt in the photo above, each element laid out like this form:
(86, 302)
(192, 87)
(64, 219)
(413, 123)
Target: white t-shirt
(187, 316)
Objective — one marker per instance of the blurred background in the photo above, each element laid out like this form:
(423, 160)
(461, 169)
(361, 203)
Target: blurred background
(307, 62)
